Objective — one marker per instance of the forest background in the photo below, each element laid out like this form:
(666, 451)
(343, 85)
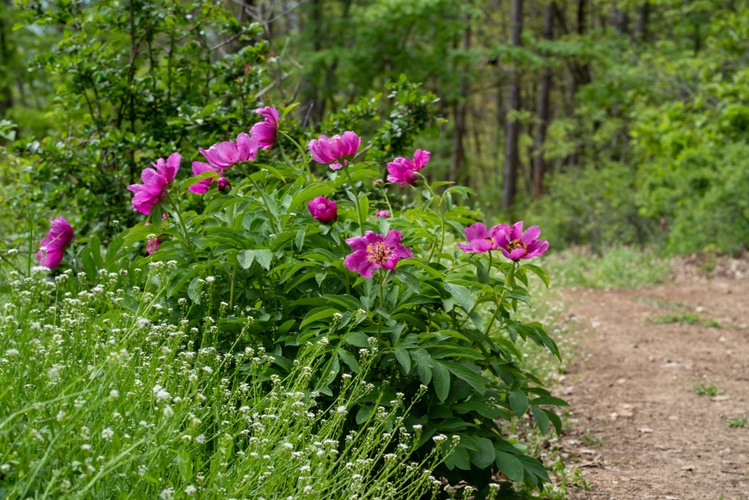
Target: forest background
(602, 121)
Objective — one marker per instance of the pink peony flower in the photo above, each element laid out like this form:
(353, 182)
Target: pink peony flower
(383, 213)
(323, 209)
(329, 151)
(53, 244)
(480, 239)
(200, 187)
(155, 183)
(247, 146)
(375, 251)
(402, 169)
(515, 244)
(265, 131)
(225, 154)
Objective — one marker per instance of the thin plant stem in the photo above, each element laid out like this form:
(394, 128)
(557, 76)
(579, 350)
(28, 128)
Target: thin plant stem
(383, 275)
(509, 277)
(266, 204)
(356, 195)
(301, 151)
(442, 216)
(185, 236)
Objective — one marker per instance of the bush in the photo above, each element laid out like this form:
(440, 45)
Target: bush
(439, 327)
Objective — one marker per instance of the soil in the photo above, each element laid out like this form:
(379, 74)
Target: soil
(663, 375)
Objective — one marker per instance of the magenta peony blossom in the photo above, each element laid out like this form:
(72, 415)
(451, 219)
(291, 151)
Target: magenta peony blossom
(480, 239)
(247, 146)
(53, 245)
(329, 151)
(155, 183)
(323, 209)
(383, 213)
(402, 169)
(265, 131)
(375, 251)
(225, 154)
(515, 244)
(200, 187)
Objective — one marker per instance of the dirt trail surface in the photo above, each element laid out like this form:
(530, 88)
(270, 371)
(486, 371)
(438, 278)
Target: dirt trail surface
(639, 427)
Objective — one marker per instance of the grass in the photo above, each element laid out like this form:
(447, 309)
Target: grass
(685, 318)
(738, 423)
(617, 268)
(102, 399)
(705, 388)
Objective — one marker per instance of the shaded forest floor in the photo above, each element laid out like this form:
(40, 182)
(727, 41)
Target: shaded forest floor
(660, 398)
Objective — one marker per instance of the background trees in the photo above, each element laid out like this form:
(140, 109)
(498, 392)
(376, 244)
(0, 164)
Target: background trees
(605, 121)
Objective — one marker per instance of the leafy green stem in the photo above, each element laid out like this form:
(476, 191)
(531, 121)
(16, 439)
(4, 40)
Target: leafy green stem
(184, 234)
(509, 278)
(356, 195)
(266, 204)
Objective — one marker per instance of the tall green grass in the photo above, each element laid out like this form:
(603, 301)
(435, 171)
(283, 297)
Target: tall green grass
(616, 268)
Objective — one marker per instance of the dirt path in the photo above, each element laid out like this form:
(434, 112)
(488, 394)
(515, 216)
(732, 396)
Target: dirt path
(639, 427)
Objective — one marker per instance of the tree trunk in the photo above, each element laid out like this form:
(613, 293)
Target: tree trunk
(6, 91)
(459, 110)
(512, 157)
(641, 32)
(619, 19)
(542, 110)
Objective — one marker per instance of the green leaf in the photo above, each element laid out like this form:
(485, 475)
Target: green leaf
(411, 281)
(538, 271)
(462, 295)
(458, 458)
(87, 260)
(299, 240)
(349, 359)
(484, 456)
(465, 374)
(263, 256)
(318, 314)
(518, 402)
(403, 358)
(309, 193)
(357, 339)
(441, 381)
(509, 465)
(363, 207)
(533, 466)
(541, 419)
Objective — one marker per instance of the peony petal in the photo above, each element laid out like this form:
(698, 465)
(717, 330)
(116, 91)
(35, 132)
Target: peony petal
(357, 243)
(465, 247)
(476, 231)
(393, 238)
(421, 158)
(481, 245)
(516, 232)
(531, 234)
